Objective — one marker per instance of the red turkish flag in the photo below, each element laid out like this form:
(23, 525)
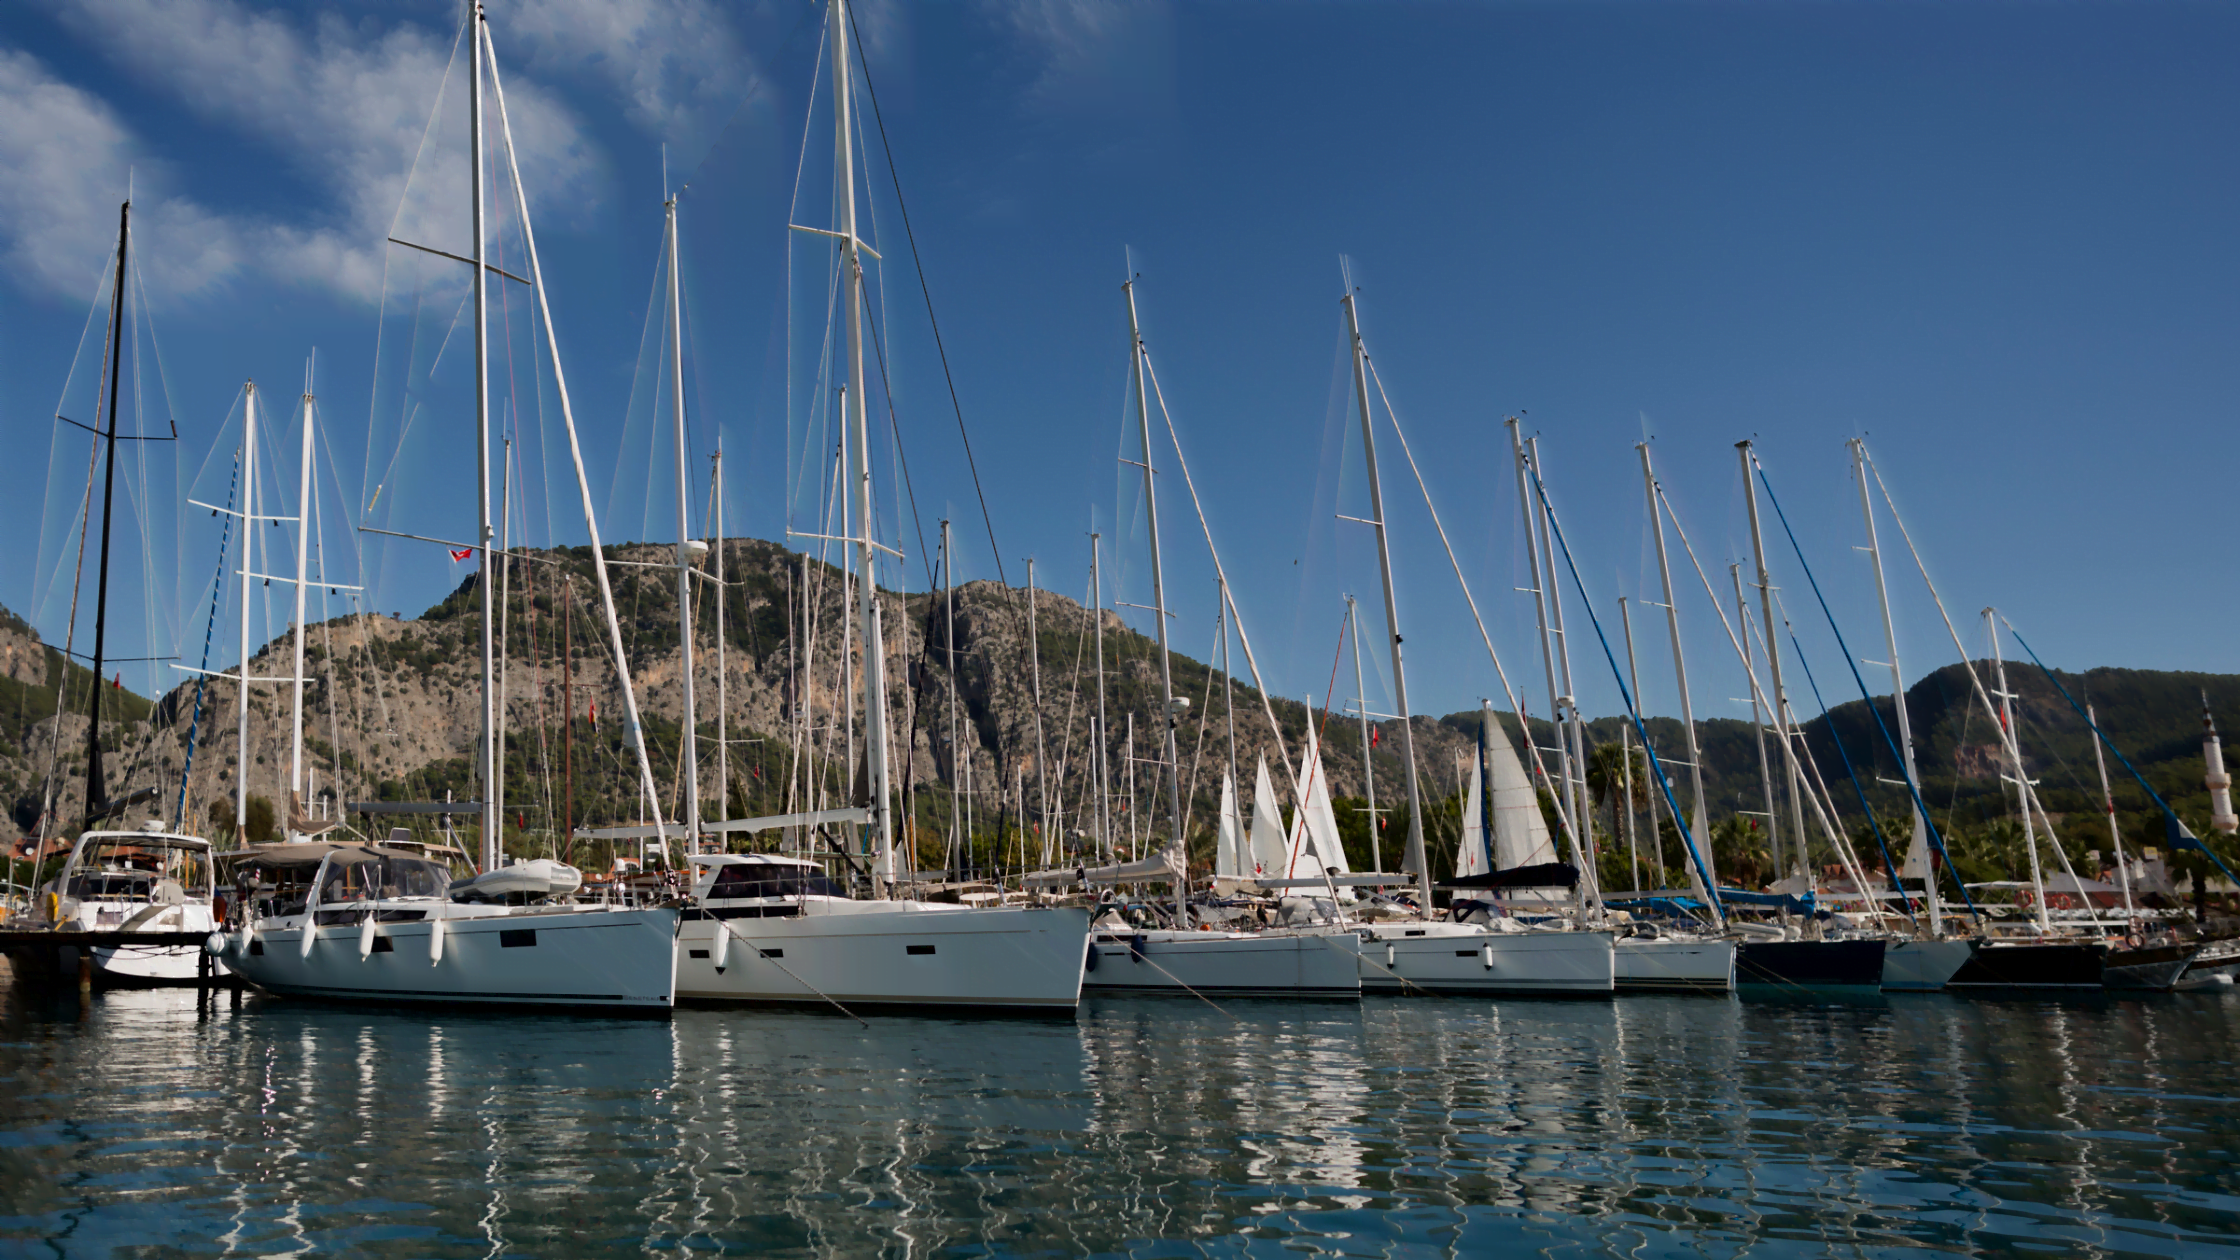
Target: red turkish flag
(467, 554)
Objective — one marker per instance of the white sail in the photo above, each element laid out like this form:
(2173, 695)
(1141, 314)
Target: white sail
(1916, 865)
(1520, 831)
(1229, 856)
(1266, 859)
(1314, 848)
(1471, 859)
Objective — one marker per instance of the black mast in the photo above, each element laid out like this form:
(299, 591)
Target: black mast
(97, 795)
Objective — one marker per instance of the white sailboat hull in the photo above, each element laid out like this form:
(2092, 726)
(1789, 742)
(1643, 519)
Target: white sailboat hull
(604, 958)
(1669, 964)
(1923, 966)
(1009, 958)
(1270, 965)
(1460, 958)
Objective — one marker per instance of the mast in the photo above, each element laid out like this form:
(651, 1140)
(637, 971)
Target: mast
(1898, 683)
(568, 424)
(723, 681)
(248, 567)
(1582, 809)
(1679, 670)
(1104, 731)
(1780, 701)
(1542, 578)
(1368, 764)
(1414, 863)
(303, 554)
(867, 585)
(1625, 745)
(97, 792)
(689, 753)
(1229, 711)
(959, 842)
(1136, 354)
(487, 753)
(1757, 716)
(568, 702)
(2115, 833)
(1041, 752)
(2021, 780)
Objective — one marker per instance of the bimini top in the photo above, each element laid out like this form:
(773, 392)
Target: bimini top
(305, 854)
(160, 839)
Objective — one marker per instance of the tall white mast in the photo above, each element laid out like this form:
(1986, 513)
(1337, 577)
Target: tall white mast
(295, 807)
(1679, 670)
(2115, 833)
(1779, 703)
(1414, 863)
(1898, 683)
(248, 567)
(867, 584)
(1541, 580)
(1102, 777)
(1582, 808)
(2014, 757)
(1136, 354)
(575, 445)
(1041, 751)
(723, 681)
(960, 844)
(487, 754)
(1757, 716)
(1368, 762)
(689, 753)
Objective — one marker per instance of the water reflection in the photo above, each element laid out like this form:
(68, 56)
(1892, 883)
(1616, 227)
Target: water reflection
(1399, 1125)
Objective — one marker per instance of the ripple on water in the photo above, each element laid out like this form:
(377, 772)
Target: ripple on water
(1146, 1128)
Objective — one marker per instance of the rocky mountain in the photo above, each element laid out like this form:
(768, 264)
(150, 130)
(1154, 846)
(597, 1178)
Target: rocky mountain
(391, 712)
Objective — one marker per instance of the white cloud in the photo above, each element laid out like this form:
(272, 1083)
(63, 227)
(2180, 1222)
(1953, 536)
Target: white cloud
(1111, 57)
(70, 161)
(677, 66)
(348, 107)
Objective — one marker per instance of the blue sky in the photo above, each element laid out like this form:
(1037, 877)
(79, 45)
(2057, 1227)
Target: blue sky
(1995, 239)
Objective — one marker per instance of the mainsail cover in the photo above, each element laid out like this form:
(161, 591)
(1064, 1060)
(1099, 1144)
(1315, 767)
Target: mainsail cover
(1268, 853)
(1230, 860)
(1520, 831)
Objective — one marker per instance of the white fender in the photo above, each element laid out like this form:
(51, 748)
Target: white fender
(720, 953)
(365, 936)
(310, 934)
(248, 932)
(435, 939)
(215, 944)
(1391, 955)
(1486, 952)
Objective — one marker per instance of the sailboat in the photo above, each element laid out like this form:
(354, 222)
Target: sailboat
(124, 888)
(365, 922)
(765, 928)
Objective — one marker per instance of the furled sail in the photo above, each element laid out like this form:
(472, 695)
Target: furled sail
(1474, 855)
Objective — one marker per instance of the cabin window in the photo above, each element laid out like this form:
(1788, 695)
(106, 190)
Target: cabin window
(772, 953)
(517, 938)
(764, 879)
(383, 945)
(921, 949)
(699, 953)
(256, 948)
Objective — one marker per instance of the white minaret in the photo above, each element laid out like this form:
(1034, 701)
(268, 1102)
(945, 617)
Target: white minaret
(2220, 783)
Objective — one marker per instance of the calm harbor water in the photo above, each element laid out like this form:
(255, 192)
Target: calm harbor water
(1652, 1126)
